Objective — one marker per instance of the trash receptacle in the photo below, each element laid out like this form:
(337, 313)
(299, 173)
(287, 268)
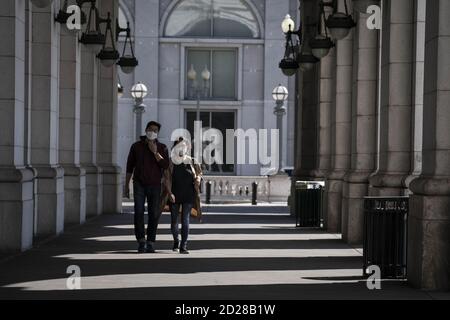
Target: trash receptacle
(308, 198)
(385, 235)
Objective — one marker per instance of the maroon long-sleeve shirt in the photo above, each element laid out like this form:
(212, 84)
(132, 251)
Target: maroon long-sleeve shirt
(143, 164)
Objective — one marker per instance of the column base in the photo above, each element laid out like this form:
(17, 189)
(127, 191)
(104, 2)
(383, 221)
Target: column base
(429, 234)
(16, 209)
(74, 195)
(94, 191)
(50, 201)
(279, 187)
(333, 196)
(388, 185)
(355, 188)
(112, 189)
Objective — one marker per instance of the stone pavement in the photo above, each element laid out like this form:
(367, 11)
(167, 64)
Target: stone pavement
(238, 252)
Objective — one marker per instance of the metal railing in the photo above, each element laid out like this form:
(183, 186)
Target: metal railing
(385, 235)
(245, 189)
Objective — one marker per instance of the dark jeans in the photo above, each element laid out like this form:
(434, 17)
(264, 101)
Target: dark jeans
(185, 216)
(153, 195)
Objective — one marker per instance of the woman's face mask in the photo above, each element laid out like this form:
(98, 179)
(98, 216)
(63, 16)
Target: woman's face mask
(152, 135)
(182, 151)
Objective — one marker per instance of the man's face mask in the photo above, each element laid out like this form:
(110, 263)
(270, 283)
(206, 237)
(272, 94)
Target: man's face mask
(152, 135)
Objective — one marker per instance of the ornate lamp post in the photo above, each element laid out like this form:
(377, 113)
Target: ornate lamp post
(280, 95)
(199, 91)
(139, 91)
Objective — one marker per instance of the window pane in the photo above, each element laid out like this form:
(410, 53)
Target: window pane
(198, 59)
(232, 18)
(223, 121)
(191, 116)
(224, 75)
(190, 18)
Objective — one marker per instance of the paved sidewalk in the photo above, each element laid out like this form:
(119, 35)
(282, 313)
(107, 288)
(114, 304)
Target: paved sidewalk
(239, 252)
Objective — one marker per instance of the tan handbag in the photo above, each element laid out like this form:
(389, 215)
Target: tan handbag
(196, 211)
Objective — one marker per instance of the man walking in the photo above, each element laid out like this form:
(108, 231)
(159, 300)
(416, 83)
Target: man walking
(147, 160)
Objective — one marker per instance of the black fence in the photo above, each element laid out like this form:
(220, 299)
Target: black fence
(385, 235)
(308, 207)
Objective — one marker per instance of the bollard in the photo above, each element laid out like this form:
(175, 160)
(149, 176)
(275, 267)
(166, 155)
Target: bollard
(208, 192)
(254, 193)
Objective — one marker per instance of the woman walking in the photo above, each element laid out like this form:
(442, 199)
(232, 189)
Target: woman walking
(182, 186)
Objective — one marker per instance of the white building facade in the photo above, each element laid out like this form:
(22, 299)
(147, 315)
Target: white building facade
(239, 42)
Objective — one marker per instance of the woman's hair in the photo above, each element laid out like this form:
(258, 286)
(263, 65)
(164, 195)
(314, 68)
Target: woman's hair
(180, 140)
(177, 142)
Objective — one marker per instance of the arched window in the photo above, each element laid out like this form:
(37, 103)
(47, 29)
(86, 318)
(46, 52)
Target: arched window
(212, 19)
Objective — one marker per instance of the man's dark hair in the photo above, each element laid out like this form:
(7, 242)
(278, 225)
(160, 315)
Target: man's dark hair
(153, 123)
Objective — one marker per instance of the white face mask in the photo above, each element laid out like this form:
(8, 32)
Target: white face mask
(152, 135)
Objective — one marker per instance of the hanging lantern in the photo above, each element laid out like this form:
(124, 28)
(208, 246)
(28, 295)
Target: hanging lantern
(289, 64)
(307, 61)
(127, 62)
(108, 55)
(120, 90)
(321, 44)
(93, 36)
(340, 23)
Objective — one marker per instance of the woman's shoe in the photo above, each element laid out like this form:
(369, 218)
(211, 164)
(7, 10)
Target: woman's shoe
(150, 248)
(175, 246)
(184, 251)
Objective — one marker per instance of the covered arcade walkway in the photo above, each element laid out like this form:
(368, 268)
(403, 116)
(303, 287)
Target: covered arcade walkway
(239, 252)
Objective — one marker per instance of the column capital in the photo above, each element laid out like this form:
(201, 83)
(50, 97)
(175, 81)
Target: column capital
(73, 170)
(49, 172)
(388, 180)
(13, 174)
(431, 186)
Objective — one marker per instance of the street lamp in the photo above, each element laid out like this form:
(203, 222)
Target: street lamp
(139, 91)
(280, 95)
(196, 90)
(289, 65)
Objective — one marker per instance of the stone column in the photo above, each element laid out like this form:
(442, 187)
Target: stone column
(107, 128)
(44, 122)
(418, 86)
(364, 129)
(69, 129)
(305, 159)
(88, 132)
(307, 133)
(429, 217)
(16, 182)
(341, 130)
(397, 55)
(307, 115)
(327, 95)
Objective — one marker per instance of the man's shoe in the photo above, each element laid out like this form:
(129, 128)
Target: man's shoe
(184, 251)
(141, 247)
(150, 248)
(175, 246)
